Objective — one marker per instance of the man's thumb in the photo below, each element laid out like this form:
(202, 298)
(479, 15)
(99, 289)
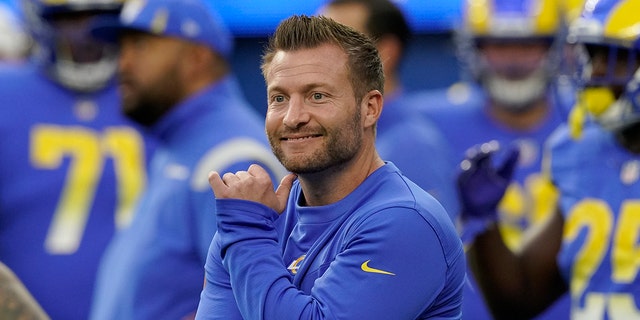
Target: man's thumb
(282, 192)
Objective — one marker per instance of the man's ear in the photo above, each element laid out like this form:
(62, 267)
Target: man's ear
(372, 102)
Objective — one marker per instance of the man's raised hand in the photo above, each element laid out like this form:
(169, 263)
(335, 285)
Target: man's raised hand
(253, 185)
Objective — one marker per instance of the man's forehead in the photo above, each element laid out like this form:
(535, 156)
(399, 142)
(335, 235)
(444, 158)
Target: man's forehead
(319, 60)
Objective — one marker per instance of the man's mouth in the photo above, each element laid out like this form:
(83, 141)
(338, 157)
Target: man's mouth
(300, 138)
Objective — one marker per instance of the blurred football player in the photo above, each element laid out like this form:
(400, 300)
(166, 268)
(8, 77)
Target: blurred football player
(589, 246)
(175, 79)
(511, 50)
(72, 166)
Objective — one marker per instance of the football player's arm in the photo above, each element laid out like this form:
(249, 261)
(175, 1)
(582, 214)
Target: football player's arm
(15, 300)
(519, 284)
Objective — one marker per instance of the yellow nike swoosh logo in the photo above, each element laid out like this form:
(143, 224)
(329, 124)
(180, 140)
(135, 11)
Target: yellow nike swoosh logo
(365, 267)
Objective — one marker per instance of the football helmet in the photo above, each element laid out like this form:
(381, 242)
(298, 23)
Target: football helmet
(519, 23)
(606, 38)
(64, 47)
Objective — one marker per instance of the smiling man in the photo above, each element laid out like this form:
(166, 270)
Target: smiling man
(346, 235)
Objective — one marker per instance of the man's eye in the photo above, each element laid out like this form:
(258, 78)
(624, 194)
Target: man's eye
(278, 99)
(318, 96)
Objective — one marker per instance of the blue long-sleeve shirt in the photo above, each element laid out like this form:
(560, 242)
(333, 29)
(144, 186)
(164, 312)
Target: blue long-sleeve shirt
(386, 251)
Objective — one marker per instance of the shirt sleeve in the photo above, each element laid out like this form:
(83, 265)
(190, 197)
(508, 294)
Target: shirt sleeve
(216, 300)
(391, 266)
(203, 203)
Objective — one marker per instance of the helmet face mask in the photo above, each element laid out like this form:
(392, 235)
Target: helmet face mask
(73, 40)
(607, 75)
(514, 60)
(516, 95)
(514, 72)
(605, 65)
(64, 47)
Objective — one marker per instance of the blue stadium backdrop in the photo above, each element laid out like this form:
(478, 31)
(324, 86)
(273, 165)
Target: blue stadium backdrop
(430, 61)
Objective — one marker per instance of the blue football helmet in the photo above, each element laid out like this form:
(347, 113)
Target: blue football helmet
(64, 47)
(607, 43)
(511, 22)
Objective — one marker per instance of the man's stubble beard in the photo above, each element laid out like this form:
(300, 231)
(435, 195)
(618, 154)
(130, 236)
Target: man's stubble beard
(338, 148)
(147, 105)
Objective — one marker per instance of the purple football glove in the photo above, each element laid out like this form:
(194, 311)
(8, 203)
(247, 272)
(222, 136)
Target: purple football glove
(481, 186)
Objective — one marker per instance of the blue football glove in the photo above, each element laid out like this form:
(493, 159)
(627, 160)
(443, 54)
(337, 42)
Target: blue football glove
(481, 185)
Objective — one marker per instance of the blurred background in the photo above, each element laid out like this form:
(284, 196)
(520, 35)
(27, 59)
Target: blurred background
(429, 63)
